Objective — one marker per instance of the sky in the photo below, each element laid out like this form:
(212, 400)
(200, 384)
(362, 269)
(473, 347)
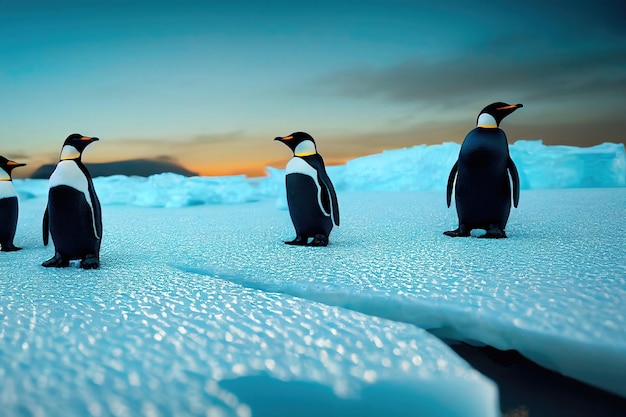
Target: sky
(209, 84)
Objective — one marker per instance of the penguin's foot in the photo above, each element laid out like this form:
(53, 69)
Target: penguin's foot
(56, 261)
(319, 240)
(90, 262)
(462, 231)
(9, 247)
(494, 232)
(298, 241)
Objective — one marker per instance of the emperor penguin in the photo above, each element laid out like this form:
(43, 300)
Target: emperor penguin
(73, 215)
(482, 188)
(8, 205)
(311, 196)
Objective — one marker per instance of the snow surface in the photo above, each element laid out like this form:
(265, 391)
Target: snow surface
(147, 334)
(202, 310)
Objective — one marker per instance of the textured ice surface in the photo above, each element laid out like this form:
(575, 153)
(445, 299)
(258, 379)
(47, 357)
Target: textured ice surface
(202, 310)
(146, 335)
(554, 290)
(412, 169)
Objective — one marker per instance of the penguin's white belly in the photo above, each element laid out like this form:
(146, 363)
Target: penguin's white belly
(68, 173)
(7, 190)
(299, 166)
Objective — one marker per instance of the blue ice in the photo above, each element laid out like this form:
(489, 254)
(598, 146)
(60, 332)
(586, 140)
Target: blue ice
(200, 309)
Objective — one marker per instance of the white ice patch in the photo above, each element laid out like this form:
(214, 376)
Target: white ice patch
(7, 190)
(299, 166)
(68, 173)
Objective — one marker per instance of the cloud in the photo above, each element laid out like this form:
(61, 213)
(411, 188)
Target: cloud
(165, 158)
(175, 144)
(17, 156)
(538, 74)
(218, 138)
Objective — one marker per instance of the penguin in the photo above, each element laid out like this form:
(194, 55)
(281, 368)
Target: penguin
(482, 189)
(73, 216)
(8, 205)
(311, 196)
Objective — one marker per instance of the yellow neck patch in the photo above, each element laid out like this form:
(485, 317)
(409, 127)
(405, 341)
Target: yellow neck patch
(305, 148)
(4, 176)
(69, 152)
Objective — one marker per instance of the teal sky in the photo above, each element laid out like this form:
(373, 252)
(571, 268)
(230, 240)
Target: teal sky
(209, 84)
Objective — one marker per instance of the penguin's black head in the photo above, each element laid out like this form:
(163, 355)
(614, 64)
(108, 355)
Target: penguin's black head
(78, 141)
(74, 146)
(8, 165)
(492, 115)
(301, 143)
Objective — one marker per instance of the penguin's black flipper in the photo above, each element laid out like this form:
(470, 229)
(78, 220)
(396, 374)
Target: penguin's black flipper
(451, 179)
(46, 227)
(332, 195)
(95, 205)
(515, 178)
(328, 190)
(96, 211)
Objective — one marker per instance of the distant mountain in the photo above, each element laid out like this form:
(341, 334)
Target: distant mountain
(138, 167)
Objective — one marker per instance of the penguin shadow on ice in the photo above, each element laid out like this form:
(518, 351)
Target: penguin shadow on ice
(480, 177)
(8, 205)
(311, 196)
(73, 216)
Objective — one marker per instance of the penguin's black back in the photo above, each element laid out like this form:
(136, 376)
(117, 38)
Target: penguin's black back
(483, 192)
(72, 223)
(8, 220)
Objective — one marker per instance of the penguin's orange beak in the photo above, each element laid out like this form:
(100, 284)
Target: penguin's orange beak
(512, 106)
(86, 138)
(15, 164)
(283, 138)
